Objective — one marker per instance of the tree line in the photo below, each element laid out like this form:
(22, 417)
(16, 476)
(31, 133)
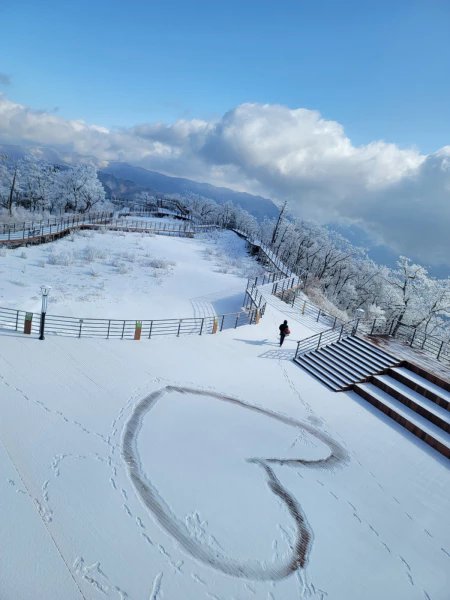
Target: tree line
(38, 186)
(339, 274)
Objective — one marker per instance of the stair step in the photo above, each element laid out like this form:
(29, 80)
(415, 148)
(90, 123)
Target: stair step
(365, 352)
(412, 380)
(318, 375)
(366, 357)
(429, 410)
(351, 359)
(337, 380)
(324, 364)
(374, 350)
(419, 426)
(327, 352)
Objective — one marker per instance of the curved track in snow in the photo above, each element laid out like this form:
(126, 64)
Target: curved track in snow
(248, 569)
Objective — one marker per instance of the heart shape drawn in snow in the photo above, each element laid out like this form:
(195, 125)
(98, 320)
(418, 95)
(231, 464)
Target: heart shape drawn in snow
(248, 569)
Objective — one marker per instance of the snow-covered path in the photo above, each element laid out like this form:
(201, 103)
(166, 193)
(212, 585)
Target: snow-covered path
(222, 426)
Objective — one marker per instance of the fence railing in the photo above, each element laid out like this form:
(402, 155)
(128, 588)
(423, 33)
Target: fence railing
(413, 337)
(36, 230)
(328, 336)
(16, 232)
(254, 298)
(157, 212)
(287, 284)
(306, 308)
(17, 320)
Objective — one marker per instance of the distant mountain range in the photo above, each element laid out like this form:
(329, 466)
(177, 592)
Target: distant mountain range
(125, 180)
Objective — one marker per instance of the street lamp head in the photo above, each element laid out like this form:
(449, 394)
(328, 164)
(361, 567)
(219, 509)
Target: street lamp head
(45, 290)
(359, 312)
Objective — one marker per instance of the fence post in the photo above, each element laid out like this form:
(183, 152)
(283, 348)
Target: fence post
(179, 327)
(221, 325)
(201, 326)
(237, 319)
(109, 327)
(137, 331)
(320, 339)
(318, 315)
(81, 325)
(303, 308)
(413, 336)
(215, 324)
(150, 332)
(440, 350)
(373, 327)
(340, 334)
(334, 324)
(17, 319)
(123, 329)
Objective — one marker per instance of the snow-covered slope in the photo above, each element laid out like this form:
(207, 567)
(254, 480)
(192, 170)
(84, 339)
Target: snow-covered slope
(207, 467)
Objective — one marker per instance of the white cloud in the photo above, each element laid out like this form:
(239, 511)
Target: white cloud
(397, 194)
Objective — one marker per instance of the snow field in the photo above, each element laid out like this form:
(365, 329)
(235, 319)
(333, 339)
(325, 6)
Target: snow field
(129, 276)
(222, 413)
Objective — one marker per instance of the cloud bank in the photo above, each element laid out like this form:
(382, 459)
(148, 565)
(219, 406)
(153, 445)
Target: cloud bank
(400, 197)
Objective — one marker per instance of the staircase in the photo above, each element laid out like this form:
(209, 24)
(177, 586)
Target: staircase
(342, 364)
(412, 400)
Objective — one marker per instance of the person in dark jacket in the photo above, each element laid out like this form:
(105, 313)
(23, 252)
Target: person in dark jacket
(284, 331)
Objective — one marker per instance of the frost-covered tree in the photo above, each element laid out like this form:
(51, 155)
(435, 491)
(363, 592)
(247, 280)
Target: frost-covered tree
(38, 182)
(9, 183)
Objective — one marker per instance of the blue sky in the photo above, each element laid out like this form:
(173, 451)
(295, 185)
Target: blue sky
(381, 69)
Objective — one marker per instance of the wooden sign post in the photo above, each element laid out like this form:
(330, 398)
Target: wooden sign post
(215, 325)
(137, 331)
(27, 323)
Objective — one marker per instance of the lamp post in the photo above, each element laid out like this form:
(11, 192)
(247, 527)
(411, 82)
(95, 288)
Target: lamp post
(359, 313)
(45, 290)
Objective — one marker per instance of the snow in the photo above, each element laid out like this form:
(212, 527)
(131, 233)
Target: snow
(156, 469)
(129, 276)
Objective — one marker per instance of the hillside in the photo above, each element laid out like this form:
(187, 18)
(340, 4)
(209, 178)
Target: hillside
(256, 205)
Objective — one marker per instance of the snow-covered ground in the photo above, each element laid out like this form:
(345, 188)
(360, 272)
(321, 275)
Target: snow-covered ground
(207, 467)
(129, 276)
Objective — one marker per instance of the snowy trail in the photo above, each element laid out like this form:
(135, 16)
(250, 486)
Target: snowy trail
(305, 325)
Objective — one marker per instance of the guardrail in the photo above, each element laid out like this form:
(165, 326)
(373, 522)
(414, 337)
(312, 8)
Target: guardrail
(306, 308)
(286, 285)
(28, 230)
(27, 322)
(413, 337)
(253, 295)
(328, 336)
(39, 231)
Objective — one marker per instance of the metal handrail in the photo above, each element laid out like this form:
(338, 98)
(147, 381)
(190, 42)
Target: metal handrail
(325, 337)
(14, 319)
(414, 337)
